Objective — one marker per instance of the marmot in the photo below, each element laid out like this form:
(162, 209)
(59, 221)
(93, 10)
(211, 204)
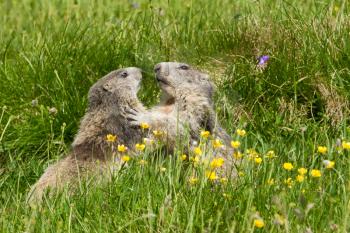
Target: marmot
(108, 100)
(186, 103)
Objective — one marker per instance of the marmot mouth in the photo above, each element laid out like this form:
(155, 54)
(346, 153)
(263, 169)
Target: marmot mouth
(160, 80)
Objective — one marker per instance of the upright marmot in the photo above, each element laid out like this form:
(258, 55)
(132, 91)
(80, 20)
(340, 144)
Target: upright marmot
(186, 104)
(108, 100)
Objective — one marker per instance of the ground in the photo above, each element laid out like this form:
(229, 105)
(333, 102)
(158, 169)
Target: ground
(294, 108)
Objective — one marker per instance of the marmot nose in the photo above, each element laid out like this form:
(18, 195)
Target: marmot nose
(157, 68)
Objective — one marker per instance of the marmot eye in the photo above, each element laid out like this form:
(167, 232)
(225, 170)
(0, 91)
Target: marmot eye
(124, 74)
(184, 67)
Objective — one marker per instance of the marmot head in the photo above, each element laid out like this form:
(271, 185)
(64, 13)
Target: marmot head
(174, 77)
(118, 85)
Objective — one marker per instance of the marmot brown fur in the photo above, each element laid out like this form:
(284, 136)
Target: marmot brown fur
(108, 100)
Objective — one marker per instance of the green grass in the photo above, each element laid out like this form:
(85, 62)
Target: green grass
(53, 51)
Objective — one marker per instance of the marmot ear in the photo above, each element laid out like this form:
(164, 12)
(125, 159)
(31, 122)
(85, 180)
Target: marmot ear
(107, 87)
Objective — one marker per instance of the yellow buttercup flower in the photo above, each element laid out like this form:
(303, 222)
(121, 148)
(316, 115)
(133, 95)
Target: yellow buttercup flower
(162, 169)
(122, 148)
(346, 145)
(258, 160)
(223, 180)
(328, 164)
(144, 125)
(205, 134)
(148, 141)
(271, 154)
(142, 162)
(217, 162)
(111, 138)
(183, 157)
(217, 143)
(193, 180)
(195, 160)
(322, 149)
(237, 155)
(300, 178)
(125, 158)
(235, 144)
(241, 132)
(241, 174)
(259, 223)
(288, 182)
(271, 181)
(140, 147)
(302, 171)
(288, 166)
(316, 173)
(252, 154)
(197, 151)
(157, 133)
(211, 175)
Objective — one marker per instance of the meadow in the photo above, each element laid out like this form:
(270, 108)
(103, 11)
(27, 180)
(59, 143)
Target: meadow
(295, 153)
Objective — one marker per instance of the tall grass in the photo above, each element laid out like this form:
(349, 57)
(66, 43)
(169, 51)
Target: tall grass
(51, 52)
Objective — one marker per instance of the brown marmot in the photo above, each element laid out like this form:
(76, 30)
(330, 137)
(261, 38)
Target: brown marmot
(108, 100)
(186, 104)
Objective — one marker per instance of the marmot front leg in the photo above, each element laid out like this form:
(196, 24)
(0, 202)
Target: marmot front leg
(169, 125)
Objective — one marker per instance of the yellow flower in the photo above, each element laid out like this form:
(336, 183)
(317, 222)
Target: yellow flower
(345, 145)
(241, 132)
(235, 144)
(125, 158)
(271, 154)
(288, 166)
(142, 162)
(144, 125)
(223, 180)
(205, 134)
(193, 180)
(111, 138)
(197, 151)
(183, 157)
(217, 143)
(237, 155)
(140, 147)
(252, 154)
(162, 169)
(195, 160)
(288, 182)
(316, 173)
(122, 148)
(259, 223)
(300, 178)
(211, 175)
(258, 160)
(322, 149)
(157, 133)
(241, 174)
(271, 181)
(148, 141)
(217, 162)
(302, 171)
(328, 164)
